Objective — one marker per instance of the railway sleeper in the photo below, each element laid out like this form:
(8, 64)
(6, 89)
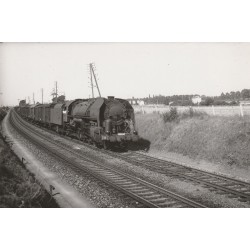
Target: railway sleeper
(179, 205)
(124, 182)
(168, 203)
(243, 189)
(118, 178)
(231, 185)
(146, 193)
(152, 196)
(112, 175)
(247, 192)
(132, 185)
(135, 189)
(221, 192)
(158, 200)
(233, 195)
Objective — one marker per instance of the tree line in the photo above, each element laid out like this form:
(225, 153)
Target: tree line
(228, 98)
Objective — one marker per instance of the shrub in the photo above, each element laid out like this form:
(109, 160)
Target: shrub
(171, 115)
(192, 113)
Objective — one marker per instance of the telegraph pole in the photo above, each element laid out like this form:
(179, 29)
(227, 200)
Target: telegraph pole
(56, 91)
(42, 95)
(1, 98)
(33, 98)
(91, 80)
(92, 70)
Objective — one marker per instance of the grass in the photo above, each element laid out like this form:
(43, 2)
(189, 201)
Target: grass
(18, 187)
(217, 139)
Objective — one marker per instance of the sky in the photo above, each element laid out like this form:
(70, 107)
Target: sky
(124, 70)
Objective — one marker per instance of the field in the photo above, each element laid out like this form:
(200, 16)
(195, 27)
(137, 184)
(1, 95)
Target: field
(218, 139)
(211, 110)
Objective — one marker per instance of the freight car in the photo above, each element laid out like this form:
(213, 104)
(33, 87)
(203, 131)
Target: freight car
(103, 121)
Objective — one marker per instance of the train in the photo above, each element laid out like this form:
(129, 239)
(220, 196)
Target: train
(106, 122)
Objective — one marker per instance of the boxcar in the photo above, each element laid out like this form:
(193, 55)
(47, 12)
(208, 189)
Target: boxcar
(32, 111)
(39, 112)
(56, 114)
(46, 113)
(24, 110)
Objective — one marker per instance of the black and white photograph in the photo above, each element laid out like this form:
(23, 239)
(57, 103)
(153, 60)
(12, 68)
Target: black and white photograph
(130, 125)
(124, 124)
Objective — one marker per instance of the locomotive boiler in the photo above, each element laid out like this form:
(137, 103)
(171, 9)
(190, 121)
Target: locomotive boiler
(106, 121)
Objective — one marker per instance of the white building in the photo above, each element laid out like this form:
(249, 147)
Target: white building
(196, 99)
(141, 102)
(136, 102)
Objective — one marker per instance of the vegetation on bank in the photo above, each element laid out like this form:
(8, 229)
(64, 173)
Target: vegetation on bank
(18, 187)
(197, 135)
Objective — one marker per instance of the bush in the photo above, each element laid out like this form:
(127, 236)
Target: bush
(192, 113)
(171, 115)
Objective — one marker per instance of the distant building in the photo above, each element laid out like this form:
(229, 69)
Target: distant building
(196, 99)
(135, 101)
(141, 103)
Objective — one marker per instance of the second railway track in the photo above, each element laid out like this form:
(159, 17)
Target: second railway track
(146, 193)
(231, 187)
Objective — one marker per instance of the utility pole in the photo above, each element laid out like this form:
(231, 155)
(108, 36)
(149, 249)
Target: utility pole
(1, 98)
(42, 95)
(91, 80)
(33, 98)
(56, 91)
(92, 70)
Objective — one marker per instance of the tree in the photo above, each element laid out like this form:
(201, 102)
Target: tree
(245, 93)
(209, 101)
(237, 95)
(222, 96)
(233, 95)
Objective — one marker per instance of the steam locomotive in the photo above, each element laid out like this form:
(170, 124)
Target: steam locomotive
(104, 121)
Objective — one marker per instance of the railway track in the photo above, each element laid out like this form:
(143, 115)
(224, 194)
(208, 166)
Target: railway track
(220, 184)
(146, 193)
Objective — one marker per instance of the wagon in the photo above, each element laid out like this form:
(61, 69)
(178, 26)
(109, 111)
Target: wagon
(32, 111)
(56, 114)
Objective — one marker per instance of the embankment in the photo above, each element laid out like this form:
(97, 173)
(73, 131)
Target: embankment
(224, 140)
(18, 187)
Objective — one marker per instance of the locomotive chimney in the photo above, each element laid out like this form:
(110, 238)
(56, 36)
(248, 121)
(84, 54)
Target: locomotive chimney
(111, 98)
